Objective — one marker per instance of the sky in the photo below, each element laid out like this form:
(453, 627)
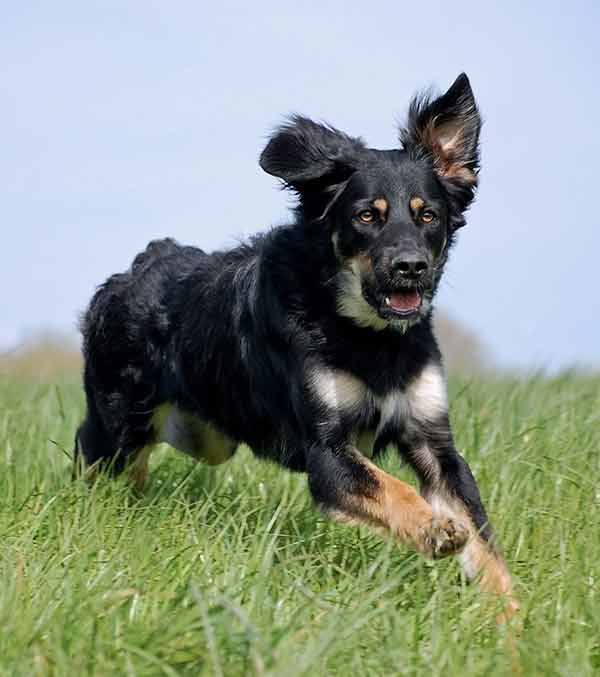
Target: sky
(121, 122)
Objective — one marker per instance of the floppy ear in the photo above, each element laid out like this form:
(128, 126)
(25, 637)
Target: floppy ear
(314, 160)
(446, 129)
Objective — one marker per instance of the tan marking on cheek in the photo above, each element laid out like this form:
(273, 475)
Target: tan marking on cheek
(365, 263)
(381, 205)
(416, 203)
(360, 264)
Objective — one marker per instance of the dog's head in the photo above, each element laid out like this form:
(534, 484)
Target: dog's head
(391, 214)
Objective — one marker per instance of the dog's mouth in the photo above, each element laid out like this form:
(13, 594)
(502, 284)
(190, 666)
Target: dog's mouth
(365, 299)
(400, 303)
(403, 302)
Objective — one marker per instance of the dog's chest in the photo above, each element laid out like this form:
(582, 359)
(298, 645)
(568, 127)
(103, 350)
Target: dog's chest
(348, 400)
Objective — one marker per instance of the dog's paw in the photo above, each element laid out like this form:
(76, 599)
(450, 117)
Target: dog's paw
(442, 537)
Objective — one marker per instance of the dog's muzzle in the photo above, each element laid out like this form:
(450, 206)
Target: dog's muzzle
(403, 280)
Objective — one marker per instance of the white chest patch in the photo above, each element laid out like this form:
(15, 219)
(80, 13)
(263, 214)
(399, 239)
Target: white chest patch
(424, 399)
(338, 390)
(427, 395)
(392, 407)
(343, 392)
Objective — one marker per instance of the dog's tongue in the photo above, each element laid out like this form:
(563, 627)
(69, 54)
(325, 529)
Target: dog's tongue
(405, 300)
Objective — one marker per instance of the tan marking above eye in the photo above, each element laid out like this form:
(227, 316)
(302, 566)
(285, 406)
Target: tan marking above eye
(416, 203)
(381, 205)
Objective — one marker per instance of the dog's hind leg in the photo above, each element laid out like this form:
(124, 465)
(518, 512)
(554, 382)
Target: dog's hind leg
(137, 467)
(351, 489)
(131, 459)
(94, 446)
(120, 440)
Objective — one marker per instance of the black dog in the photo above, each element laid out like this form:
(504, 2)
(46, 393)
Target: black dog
(313, 343)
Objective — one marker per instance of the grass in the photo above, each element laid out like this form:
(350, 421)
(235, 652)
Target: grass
(230, 571)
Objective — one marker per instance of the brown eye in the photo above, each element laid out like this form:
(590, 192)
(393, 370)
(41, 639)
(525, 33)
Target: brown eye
(427, 216)
(366, 216)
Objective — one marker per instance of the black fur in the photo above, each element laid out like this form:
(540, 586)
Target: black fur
(235, 337)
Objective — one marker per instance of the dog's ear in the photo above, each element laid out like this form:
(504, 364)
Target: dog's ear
(446, 129)
(314, 160)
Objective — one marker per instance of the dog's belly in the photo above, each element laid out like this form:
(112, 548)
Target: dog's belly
(365, 442)
(192, 435)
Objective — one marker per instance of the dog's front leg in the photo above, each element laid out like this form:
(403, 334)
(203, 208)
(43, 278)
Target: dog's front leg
(451, 490)
(448, 485)
(350, 489)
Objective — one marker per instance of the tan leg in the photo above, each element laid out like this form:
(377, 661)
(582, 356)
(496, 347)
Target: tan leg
(480, 560)
(137, 468)
(394, 506)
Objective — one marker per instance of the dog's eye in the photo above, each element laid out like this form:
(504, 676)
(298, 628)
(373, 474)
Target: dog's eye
(427, 216)
(366, 216)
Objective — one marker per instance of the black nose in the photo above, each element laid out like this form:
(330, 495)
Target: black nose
(409, 266)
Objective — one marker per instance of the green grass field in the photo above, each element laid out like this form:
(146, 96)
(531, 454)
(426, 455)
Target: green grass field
(230, 571)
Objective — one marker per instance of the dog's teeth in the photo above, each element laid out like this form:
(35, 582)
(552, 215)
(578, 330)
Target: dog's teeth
(387, 301)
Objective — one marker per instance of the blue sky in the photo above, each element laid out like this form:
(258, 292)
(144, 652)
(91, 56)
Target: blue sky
(126, 121)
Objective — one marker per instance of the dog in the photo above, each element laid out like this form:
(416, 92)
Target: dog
(311, 343)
